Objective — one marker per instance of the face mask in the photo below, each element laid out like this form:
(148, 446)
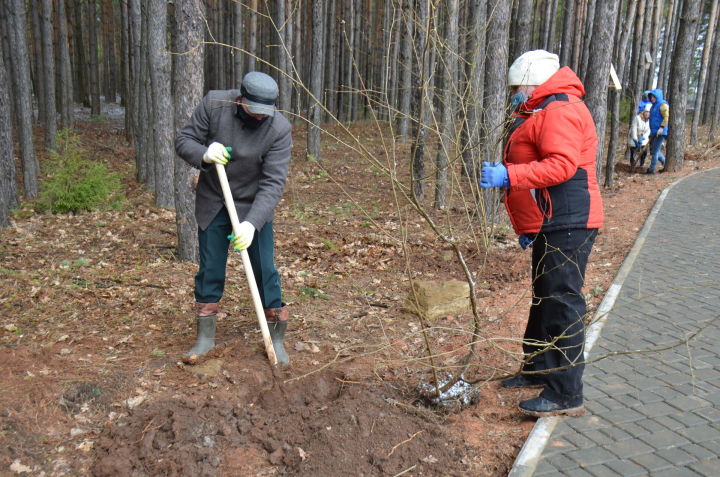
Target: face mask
(518, 98)
(250, 122)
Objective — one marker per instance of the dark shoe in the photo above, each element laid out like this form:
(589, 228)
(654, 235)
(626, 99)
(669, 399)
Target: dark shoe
(649, 172)
(277, 321)
(521, 381)
(542, 407)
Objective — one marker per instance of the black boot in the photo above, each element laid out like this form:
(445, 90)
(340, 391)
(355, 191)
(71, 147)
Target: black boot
(205, 326)
(277, 321)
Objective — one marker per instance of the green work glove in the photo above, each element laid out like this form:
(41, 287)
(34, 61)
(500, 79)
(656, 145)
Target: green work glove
(216, 154)
(244, 238)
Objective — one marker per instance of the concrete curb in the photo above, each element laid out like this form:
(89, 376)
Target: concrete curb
(529, 456)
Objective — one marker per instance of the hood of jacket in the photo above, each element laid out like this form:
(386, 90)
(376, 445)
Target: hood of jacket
(658, 93)
(563, 81)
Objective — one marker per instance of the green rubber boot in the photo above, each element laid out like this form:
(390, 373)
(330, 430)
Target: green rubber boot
(205, 338)
(277, 321)
(277, 333)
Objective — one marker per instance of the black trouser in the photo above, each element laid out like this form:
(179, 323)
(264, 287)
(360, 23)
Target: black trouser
(555, 329)
(214, 244)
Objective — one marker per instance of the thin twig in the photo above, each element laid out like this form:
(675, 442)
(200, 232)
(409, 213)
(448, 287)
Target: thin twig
(404, 442)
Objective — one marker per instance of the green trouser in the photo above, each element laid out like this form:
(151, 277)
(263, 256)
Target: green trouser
(214, 245)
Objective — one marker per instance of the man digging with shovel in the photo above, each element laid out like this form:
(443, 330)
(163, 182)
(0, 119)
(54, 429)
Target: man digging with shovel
(238, 134)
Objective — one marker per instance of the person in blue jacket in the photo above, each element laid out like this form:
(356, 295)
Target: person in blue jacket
(659, 120)
(644, 100)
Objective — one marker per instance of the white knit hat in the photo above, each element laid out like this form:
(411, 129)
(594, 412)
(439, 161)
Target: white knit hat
(533, 68)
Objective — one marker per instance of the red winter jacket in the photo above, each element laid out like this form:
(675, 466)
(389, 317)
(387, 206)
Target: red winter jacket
(550, 157)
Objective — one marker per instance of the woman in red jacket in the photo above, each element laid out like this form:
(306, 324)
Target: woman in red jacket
(554, 204)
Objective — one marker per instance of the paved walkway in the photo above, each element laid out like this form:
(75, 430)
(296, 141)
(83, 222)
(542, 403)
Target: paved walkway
(651, 413)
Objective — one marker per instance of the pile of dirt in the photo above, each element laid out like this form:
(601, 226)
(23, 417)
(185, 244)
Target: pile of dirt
(323, 424)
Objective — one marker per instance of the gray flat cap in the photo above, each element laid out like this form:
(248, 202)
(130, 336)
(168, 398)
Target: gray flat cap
(260, 92)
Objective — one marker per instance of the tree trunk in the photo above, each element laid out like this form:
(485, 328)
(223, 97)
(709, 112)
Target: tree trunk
(406, 71)
(252, 46)
(679, 80)
(588, 46)
(46, 28)
(21, 69)
(284, 57)
(65, 69)
(713, 77)
(94, 66)
(134, 38)
(523, 27)
(316, 80)
(421, 97)
(163, 128)
(709, 37)
(238, 42)
(447, 144)
(598, 75)
(143, 145)
(8, 187)
(667, 42)
(38, 74)
(109, 55)
(475, 91)
(331, 61)
(566, 49)
(495, 108)
(6, 40)
(579, 35)
(188, 87)
(615, 95)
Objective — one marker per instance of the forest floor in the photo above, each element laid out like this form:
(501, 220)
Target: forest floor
(95, 313)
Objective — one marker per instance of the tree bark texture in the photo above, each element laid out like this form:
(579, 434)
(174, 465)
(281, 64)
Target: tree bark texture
(475, 89)
(94, 64)
(8, 187)
(48, 52)
(713, 77)
(21, 69)
(421, 97)
(65, 103)
(406, 57)
(679, 79)
(162, 126)
(188, 88)
(523, 28)
(709, 37)
(446, 152)
(316, 80)
(566, 48)
(598, 72)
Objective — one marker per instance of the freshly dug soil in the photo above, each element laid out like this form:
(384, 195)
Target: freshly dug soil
(260, 423)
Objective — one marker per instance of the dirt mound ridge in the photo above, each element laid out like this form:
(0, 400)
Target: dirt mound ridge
(321, 425)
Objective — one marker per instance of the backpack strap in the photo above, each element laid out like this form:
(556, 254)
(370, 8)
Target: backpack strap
(519, 120)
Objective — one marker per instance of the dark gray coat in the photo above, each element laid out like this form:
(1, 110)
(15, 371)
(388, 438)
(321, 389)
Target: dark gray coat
(259, 164)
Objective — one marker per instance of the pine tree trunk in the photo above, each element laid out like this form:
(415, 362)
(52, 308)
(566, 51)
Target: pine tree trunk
(109, 55)
(8, 187)
(588, 46)
(238, 42)
(422, 96)
(5, 40)
(21, 69)
(252, 47)
(709, 37)
(46, 28)
(446, 144)
(523, 28)
(283, 60)
(188, 87)
(406, 58)
(474, 93)
(331, 60)
(615, 95)
(667, 42)
(679, 80)
(94, 65)
(495, 107)
(316, 80)
(566, 49)
(598, 74)
(143, 146)
(65, 69)
(713, 77)
(579, 35)
(38, 73)
(134, 38)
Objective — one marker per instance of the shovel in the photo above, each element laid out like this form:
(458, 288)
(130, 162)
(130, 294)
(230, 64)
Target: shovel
(230, 206)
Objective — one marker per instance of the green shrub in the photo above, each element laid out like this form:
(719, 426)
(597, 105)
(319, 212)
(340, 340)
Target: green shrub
(75, 184)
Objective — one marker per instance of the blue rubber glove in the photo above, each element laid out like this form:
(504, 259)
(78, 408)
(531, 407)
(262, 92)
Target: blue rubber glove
(494, 175)
(637, 143)
(525, 241)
